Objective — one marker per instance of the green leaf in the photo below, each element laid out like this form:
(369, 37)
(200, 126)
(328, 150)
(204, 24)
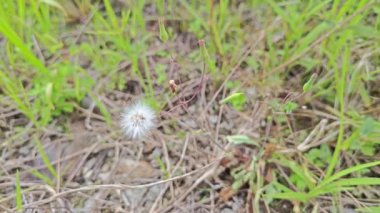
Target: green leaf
(312, 36)
(303, 197)
(348, 171)
(298, 181)
(366, 32)
(325, 153)
(241, 139)
(24, 48)
(237, 100)
(357, 182)
(164, 36)
(237, 184)
(233, 97)
(302, 172)
(367, 126)
(319, 156)
(368, 149)
(309, 84)
(111, 14)
(374, 209)
(352, 142)
(102, 109)
(41, 176)
(344, 184)
(289, 107)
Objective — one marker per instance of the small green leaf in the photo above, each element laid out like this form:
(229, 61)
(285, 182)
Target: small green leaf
(352, 142)
(289, 107)
(309, 84)
(241, 139)
(367, 126)
(325, 153)
(237, 100)
(48, 93)
(233, 97)
(298, 181)
(237, 185)
(367, 149)
(164, 36)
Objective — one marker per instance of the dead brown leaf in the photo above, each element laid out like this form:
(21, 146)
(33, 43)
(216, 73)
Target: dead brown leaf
(226, 193)
(130, 170)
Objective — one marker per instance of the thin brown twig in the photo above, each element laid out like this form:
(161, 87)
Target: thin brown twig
(81, 163)
(173, 172)
(206, 175)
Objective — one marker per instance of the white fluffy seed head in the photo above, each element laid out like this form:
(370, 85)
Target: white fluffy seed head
(137, 120)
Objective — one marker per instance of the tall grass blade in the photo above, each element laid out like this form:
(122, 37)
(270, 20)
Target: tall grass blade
(45, 158)
(18, 193)
(12, 36)
(348, 171)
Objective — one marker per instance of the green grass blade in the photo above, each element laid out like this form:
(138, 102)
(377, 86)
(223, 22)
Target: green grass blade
(102, 108)
(12, 36)
(18, 193)
(299, 196)
(312, 36)
(41, 176)
(374, 209)
(288, 17)
(340, 82)
(111, 14)
(362, 181)
(344, 184)
(351, 170)
(194, 13)
(15, 90)
(45, 158)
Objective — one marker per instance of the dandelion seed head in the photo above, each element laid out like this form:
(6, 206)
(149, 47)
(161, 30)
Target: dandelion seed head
(137, 120)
